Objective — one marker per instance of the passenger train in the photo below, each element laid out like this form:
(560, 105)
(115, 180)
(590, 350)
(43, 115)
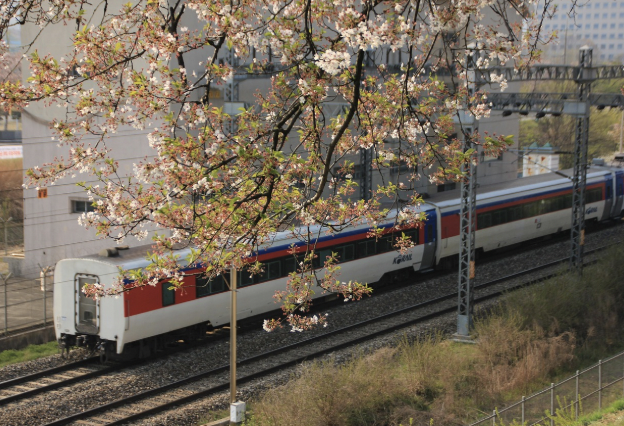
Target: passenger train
(140, 321)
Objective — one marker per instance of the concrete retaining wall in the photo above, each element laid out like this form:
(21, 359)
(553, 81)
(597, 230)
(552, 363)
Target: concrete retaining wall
(33, 337)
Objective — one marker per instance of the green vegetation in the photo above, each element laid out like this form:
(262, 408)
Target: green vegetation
(31, 352)
(559, 132)
(533, 337)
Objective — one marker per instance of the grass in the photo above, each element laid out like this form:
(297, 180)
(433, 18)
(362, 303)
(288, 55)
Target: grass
(13, 356)
(532, 338)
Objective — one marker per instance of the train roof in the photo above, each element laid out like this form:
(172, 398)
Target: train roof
(135, 257)
(484, 192)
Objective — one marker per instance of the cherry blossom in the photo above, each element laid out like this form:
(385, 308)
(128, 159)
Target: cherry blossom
(224, 186)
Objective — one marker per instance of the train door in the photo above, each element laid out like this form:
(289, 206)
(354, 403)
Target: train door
(431, 233)
(87, 310)
(619, 194)
(608, 206)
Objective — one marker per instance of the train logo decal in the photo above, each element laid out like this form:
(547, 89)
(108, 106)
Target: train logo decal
(402, 258)
(591, 210)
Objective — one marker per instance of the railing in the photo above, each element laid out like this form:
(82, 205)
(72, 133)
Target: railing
(586, 391)
(11, 236)
(25, 303)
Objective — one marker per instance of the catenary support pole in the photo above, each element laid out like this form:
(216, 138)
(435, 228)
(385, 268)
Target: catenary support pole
(467, 219)
(579, 180)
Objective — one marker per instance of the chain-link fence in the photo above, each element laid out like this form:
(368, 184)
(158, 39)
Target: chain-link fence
(11, 236)
(25, 303)
(587, 391)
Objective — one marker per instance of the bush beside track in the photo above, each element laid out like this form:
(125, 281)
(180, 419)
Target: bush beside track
(531, 338)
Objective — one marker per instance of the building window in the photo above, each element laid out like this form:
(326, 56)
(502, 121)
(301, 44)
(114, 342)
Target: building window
(602, 46)
(604, 27)
(595, 26)
(400, 167)
(612, 35)
(619, 46)
(80, 206)
(611, 46)
(447, 186)
(168, 294)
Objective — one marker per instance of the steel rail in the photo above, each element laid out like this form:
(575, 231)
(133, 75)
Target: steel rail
(43, 373)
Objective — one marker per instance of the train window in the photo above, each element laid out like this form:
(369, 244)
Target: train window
(244, 278)
(384, 245)
(272, 271)
(413, 234)
(593, 195)
(168, 294)
(202, 287)
(345, 253)
(499, 217)
(217, 285)
(484, 220)
(289, 265)
(323, 255)
(366, 248)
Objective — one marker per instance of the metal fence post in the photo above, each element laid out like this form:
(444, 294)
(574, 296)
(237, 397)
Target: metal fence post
(600, 385)
(523, 399)
(552, 403)
(493, 417)
(43, 274)
(6, 302)
(576, 397)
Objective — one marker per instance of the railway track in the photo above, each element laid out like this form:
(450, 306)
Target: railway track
(49, 379)
(215, 380)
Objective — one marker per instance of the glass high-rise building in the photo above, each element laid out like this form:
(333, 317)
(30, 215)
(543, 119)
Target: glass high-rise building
(596, 23)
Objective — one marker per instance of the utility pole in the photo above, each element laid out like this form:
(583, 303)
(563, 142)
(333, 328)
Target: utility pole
(584, 78)
(230, 97)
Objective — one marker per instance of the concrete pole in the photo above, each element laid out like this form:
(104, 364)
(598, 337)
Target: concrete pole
(237, 408)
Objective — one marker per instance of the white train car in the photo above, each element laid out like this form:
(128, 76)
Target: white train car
(139, 321)
(513, 212)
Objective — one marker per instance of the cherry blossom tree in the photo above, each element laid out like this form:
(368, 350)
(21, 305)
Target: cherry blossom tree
(224, 184)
